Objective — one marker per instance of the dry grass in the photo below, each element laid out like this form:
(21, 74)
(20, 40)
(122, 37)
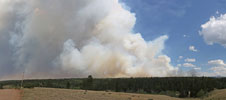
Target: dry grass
(65, 94)
(217, 95)
(10, 94)
(68, 94)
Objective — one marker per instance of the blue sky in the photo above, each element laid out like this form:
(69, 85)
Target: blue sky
(181, 20)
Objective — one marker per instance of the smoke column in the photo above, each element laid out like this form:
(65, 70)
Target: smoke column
(76, 38)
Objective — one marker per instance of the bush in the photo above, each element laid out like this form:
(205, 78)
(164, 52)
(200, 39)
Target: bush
(141, 91)
(201, 93)
(170, 93)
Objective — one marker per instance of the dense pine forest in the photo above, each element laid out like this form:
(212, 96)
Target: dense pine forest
(172, 86)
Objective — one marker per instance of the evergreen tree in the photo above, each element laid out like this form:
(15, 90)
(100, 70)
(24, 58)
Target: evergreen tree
(68, 85)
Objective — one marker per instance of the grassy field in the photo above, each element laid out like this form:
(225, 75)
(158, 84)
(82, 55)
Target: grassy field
(216, 95)
(65, 94)
(10, 94)
(69, 94)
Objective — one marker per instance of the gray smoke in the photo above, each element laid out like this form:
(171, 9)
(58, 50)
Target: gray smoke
(75, 38)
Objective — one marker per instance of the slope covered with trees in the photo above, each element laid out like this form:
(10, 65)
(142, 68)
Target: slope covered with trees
(173, 86)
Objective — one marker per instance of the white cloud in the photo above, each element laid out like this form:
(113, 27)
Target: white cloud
(217, 12)
(219, 67)
(217, 62)
(180, 57)
(209, 74)
(214, 31)
(194, 67)
(186, 36)
(219, 70)
(179, 65)
(197, 68)
(190, 60)
(188, 65)
(192, 48)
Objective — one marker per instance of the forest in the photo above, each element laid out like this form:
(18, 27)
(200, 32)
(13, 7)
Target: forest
(173, 86)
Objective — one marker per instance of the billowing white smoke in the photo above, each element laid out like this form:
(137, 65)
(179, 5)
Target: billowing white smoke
(75, 38)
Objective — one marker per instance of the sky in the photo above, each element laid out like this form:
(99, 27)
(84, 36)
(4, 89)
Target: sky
(112, 38)
(181, 20)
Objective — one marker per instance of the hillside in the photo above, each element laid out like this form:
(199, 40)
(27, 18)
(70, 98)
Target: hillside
(172, 86)
(217, 95)
(69, 94)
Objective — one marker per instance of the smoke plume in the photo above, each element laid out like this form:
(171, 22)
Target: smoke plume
(76, 38)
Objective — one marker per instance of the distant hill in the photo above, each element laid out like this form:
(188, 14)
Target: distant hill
(172, 86)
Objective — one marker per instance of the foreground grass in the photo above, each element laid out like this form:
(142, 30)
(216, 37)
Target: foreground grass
(216, 95)
(68, 94)
(10, 94)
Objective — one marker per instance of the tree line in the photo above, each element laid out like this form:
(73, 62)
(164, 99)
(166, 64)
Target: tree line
(173, 86)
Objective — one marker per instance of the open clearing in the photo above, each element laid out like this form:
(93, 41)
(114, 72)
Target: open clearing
(10, 94)
(217, 95)
(69, 94)
(65, 94)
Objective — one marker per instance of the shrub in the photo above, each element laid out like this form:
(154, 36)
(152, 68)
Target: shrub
(141, 91)
(201, 93)
(170, 93)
